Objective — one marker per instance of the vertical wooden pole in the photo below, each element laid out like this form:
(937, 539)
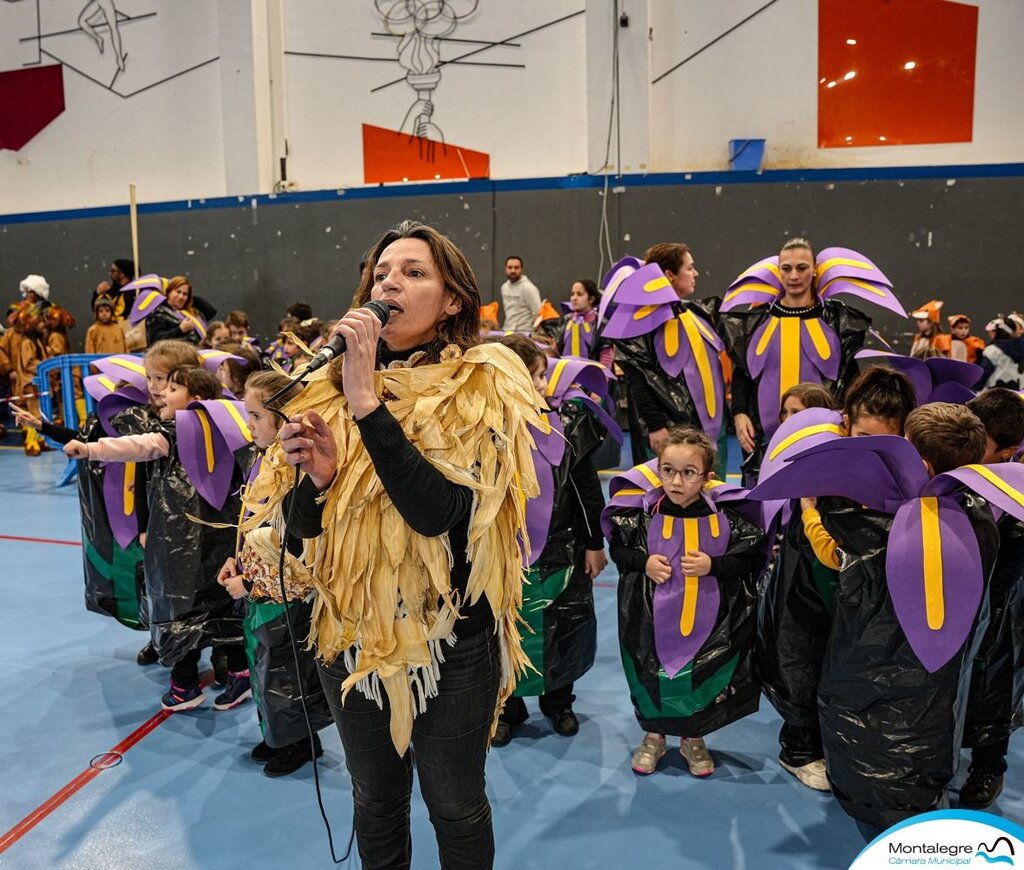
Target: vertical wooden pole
(133, 211)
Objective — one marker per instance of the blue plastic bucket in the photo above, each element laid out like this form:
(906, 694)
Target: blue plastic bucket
(746, 154)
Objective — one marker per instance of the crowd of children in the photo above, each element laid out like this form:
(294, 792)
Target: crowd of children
(829, 583)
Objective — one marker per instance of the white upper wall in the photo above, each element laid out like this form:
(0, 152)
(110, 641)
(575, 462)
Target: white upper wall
(543, 112)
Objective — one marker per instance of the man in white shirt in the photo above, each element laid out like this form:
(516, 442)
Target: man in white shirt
(519, 297)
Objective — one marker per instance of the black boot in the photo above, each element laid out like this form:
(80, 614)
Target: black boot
(980, 790)
(147, 655)
(290, 758)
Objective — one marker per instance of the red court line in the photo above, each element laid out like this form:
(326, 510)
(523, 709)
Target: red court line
(40, 540)
(86, 776)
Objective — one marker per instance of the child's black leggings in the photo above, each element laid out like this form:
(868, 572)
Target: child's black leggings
(185, 673)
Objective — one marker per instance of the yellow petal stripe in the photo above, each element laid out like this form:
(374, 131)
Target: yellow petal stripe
(705, 329)
(199, 325)
(700, 356)
(656, 284)
(766, 336)
(931, 542)
(668, 525)
(243, 427)
(650, 475)
(800, 434)
(128, 496)
(817, 334)
(631, 491)
(713, 523)
(109, 384)
(864, 285)
(789, 354)
(841, 261)
(149, 299)
(207, 437)
(672, 336)
(998, 483)
(646, 311)
(691, 541)
(556, 376)
(574, 339)
(759, 287)
(131, 365)
(771, 267)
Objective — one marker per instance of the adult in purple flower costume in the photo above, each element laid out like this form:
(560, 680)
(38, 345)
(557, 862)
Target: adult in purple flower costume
(795, 331)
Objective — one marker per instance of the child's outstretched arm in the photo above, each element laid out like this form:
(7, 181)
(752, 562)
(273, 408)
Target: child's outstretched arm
(126, 448)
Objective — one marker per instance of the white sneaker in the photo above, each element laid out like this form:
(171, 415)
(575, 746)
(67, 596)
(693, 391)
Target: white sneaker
(812, 774)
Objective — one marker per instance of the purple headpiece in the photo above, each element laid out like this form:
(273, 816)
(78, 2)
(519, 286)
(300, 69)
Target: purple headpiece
(123, 367)
(549, 438)
(151, 295)
(583, 379)
(837, 270)
(938, 379)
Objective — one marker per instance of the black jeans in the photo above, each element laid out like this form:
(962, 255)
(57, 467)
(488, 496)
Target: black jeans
(449, 745)
(800, 746)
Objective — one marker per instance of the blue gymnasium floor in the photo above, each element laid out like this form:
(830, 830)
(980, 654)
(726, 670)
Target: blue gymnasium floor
(186, 794)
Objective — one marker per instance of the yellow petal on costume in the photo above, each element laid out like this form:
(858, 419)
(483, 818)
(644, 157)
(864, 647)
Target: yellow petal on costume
(650, 475)
(864, 285)
(204, 422)
(789, 354)
(128, 491)
(998, 482)
(656, 284)
(766, 336)
(714, 525)
(841, 261)
(700, 356)
(667, 527)
(556, 377)
(691, 584)
(645, 311)
(753, 287)
(801, 434)
(817, 335)
(672, 336)
(931, 535)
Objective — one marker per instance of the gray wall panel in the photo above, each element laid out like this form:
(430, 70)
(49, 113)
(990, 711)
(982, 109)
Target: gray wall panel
(931, 237)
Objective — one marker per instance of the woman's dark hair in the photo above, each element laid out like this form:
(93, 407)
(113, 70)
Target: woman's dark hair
(590, 288)
(525, 348)
(668, 255)
(880, 392)
(197, 381)
(690, 437)
(463, 327)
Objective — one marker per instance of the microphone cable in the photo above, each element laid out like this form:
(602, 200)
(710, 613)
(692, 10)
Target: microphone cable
(295, 658)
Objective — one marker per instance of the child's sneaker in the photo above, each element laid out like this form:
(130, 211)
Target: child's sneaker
(647, 755)
(179, 699)
(813, 774)
(238, 689)
(695, 754)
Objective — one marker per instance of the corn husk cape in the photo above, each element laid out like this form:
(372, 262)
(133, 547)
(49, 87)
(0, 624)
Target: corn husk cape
(385, 599)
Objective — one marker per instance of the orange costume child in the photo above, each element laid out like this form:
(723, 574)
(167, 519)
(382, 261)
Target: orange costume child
(105, 335)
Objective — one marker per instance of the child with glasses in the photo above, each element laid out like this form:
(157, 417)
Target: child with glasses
(687, 601)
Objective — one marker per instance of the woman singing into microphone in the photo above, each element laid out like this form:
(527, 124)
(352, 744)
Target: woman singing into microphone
(416, 460)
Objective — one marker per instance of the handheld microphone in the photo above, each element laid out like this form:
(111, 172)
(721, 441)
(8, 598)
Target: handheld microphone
(336, 345)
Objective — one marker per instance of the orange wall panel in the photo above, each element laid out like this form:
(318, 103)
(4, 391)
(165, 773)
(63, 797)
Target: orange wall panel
(895, 72)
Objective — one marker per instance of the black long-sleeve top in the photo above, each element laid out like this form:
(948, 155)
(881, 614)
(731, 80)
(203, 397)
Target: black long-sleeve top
(723, 567)
(430, 503)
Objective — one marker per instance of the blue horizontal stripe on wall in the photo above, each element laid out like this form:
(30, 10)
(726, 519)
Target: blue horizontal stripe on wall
(568, 182)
